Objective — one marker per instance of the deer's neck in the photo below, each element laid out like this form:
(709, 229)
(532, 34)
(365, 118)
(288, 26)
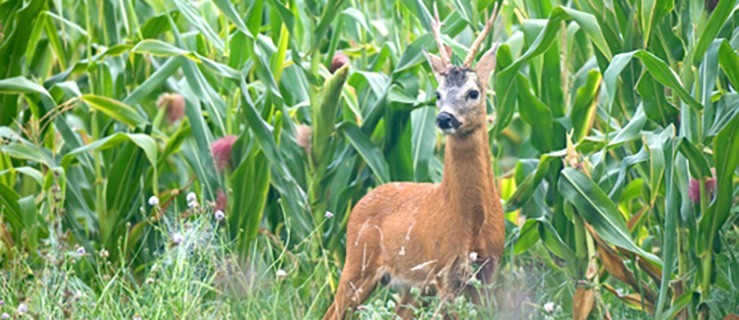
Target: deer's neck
(468, 181)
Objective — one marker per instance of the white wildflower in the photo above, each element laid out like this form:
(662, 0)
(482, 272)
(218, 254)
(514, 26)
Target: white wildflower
(177, 238)
(22, 308)
(219, 215)
(81, 250)
(281, 273)
(153, 201)
(104, 253)
(191, 197)
(193, 204)
(473, 256)
(549, 307)
(329, 215)
(5, 316)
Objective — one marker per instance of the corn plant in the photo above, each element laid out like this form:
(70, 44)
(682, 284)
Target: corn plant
(613, 126)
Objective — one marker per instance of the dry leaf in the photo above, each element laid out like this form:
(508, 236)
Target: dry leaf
(582, 303)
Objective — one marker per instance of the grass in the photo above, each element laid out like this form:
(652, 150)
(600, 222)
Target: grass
(196, 274)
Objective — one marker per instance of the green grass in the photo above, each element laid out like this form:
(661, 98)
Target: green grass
(201, 277)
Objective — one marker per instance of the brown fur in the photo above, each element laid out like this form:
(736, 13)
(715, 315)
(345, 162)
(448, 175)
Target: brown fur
(421, 234)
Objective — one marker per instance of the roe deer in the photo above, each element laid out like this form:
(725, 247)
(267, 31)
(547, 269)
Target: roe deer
(427, 235)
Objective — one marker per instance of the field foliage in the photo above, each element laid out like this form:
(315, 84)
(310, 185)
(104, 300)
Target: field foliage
(176, 158)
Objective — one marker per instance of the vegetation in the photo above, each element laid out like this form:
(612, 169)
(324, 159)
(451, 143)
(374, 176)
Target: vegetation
(200, 159)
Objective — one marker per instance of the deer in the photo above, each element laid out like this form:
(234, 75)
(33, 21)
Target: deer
(429, 235)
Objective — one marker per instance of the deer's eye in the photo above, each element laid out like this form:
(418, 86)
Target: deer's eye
(473, 94)
(438, 95)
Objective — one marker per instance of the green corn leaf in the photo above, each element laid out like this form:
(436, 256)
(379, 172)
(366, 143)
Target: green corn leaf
(115, 109)
(583, 108)
(161, 49)
(727, 160)
(367, 150)
(659, 70)
(699, 167)
(599, 211)
(22, 85)
(728, 59)
(143, 141)
(723, 10)
(29, 153)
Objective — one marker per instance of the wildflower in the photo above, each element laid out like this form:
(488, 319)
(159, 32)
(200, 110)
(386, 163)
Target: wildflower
(191, 197)
(193, 205)
(694, 190)
(281, 273)
(104, 253)
(137, 317)
(177, 238)
(549, 307)
(153, 201)
(5, 316)
(149, 280)
(22, 308)
(2, 303)
(339, 60)
(473, 256)
(174, 105)
(219, 215)
(81, 250)
(303, 137)
(329, 215)
(221, 151)
(221, 200)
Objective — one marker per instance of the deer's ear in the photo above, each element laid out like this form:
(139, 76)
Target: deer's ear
(436, 64)
(486, 65)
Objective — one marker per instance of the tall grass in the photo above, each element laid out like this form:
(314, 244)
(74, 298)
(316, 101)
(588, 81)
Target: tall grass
(613, 125)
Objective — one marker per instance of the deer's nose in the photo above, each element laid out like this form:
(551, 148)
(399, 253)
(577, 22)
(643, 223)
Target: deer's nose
(447, 121)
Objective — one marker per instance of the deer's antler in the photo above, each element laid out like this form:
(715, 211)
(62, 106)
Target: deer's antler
(480, 38)
(436, 28)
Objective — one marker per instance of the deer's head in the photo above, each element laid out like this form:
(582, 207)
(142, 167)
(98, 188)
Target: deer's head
(460, 95)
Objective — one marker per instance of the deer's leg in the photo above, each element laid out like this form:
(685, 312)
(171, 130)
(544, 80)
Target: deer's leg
(358, 279)
(407, 305)
(487, 271)
(352, 291)
(483, 295)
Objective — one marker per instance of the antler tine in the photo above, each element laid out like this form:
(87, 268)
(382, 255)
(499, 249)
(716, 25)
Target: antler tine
(436, 28)
(480, 38)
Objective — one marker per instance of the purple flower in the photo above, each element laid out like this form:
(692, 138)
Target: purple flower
(303, 137)
(174, 104)
(339, 60)
(221, 200)
(694, 190)
(221, 151)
